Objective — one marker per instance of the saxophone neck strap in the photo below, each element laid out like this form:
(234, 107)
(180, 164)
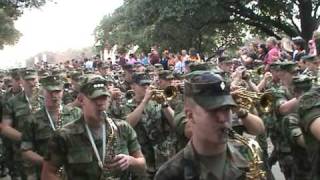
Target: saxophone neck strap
(93, 144)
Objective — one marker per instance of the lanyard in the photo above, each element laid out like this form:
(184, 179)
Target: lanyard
(50, 119)
(95, 149)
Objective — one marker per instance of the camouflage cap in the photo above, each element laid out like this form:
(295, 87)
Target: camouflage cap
(302, 82)
(75, 75)
(165, 75)
(225, 59)
(208, 90)
(43, 73)
(28, 74)
(93, 86)
(197, 66)
(309, 58)
(141, 78)
(288, 66)
(275, 66)
(14, 73)
(52, 83)
(109, 79)
(158, 67)
(149, 69)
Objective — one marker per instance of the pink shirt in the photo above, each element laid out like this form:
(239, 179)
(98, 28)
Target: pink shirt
(272, 55)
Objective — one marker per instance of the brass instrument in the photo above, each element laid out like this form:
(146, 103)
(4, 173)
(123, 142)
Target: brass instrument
(255, 172)
(248, 99)
(129, 95)
(167, 94)
(112, 140)
(34, 102)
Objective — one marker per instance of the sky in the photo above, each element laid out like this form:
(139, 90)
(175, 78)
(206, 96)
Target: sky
(56, 27)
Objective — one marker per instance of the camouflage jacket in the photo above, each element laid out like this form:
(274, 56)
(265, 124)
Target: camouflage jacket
(154, 135)
(18, 109)
(186, 165)
(309, 110)
(37, 130)
(70, 147)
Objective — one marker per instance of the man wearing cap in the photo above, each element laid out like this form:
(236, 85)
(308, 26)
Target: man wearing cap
(308, 111)
(293, 158)
(70, 92)
(52, 116)
(94, 146)
(210, 154)
(16, 111)
(11, 92)
(225, 65)
(153, 123)
(312, 64)
(284, 104)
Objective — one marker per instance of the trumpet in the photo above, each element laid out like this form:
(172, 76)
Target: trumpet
(167, 94)
(248, 99)
(129, 95)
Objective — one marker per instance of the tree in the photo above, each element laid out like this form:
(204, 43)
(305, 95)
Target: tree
(277, 17)
(9, 12)
(204, 24)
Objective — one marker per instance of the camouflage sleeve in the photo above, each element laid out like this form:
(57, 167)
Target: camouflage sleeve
(129, 136)
(292, 127)
(56, 150)
(309, 109)
(27, 135)
(279, 98)
(7, 111)
(128, 108)
(180, 122)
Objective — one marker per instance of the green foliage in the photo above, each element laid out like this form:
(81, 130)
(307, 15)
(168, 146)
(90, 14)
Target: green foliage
(9, 11)
(205, 24)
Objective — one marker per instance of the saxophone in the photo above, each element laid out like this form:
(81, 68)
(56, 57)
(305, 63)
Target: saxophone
(255, 172)
(34, 101)
(111, 147)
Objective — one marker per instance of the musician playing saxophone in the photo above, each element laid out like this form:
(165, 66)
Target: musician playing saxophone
(94, 146)
(210, 154)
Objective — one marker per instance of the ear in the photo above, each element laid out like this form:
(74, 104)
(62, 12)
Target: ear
(189, 115)
(81, 98)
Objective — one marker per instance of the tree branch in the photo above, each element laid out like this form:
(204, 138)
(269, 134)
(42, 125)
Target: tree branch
(294, 24)
(248, 13)
(262, 27)
(316, 9)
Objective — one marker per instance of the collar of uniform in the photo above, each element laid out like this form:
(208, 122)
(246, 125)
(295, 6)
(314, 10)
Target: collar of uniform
(234, 166)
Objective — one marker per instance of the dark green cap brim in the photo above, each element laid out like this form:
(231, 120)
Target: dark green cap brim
(144, 82)
(54, 88)
(30, 77)
(97, 93)
(214, 102)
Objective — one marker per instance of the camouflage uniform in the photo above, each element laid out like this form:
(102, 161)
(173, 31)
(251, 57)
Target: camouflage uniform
(154, 136)
(233, 163)
(186, 165)
(180, 122)
(308, 111)
(154, 133)
(71, 148)
(18, 109)
(37, 131)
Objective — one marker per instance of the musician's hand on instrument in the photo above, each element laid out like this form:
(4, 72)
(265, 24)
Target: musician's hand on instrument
(149, 93)
(267, 75)
(119, 162)
(115, 93)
